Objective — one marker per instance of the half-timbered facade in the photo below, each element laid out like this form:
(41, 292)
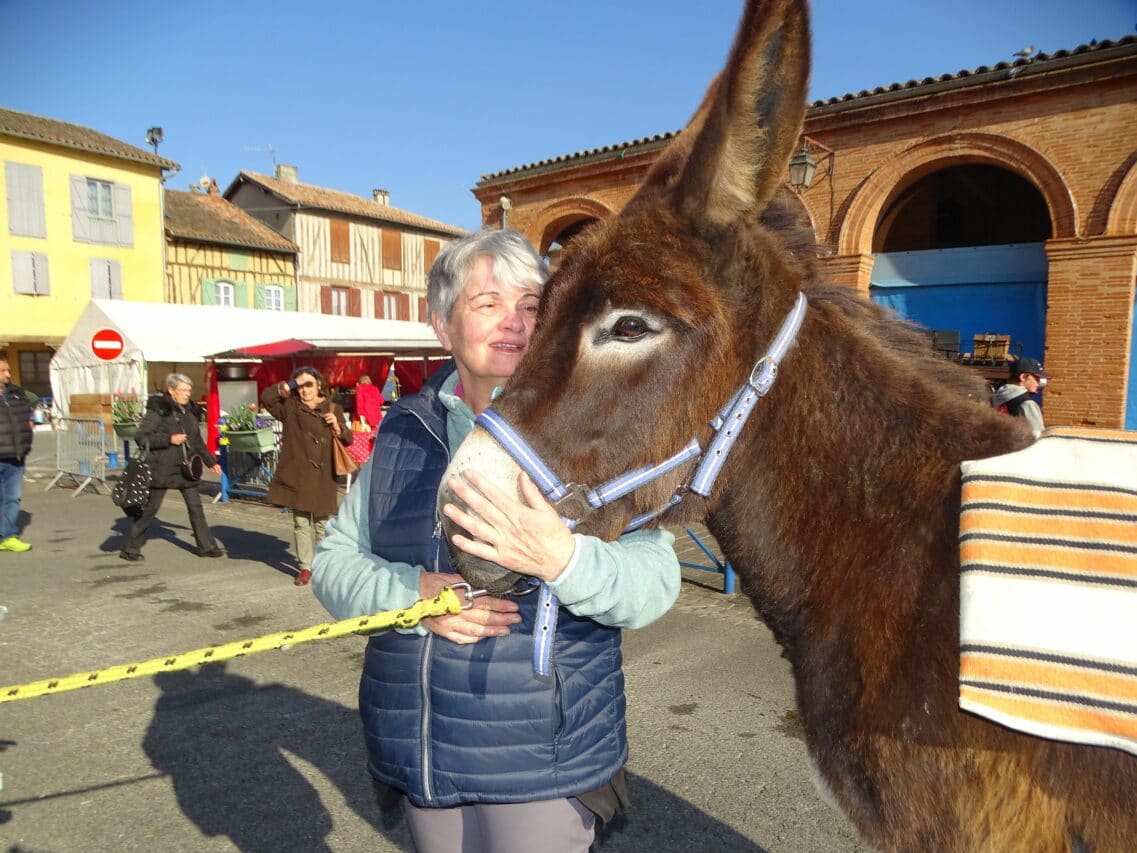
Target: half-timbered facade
(358, 257)
(217, 254)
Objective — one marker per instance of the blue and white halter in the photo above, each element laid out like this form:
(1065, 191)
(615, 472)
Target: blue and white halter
(575, 502)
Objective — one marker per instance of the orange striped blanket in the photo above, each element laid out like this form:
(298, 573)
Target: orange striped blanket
(1048, 588)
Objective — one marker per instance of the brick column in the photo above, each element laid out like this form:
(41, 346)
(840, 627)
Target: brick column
(1089, 318)
(852, 270)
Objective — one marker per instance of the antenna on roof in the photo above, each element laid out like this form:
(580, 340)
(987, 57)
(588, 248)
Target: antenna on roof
(271, 152)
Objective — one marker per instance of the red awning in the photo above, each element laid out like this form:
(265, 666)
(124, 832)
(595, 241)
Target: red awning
(285, 347)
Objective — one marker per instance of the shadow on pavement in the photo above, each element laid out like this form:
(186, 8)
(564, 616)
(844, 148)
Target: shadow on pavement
(222, 739)
(223, 742)
(241, 544)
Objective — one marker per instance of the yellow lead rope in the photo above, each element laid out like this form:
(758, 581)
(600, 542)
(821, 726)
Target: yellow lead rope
(446, 602)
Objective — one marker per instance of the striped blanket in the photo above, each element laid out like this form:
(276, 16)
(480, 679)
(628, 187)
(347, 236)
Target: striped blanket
(1048, 604)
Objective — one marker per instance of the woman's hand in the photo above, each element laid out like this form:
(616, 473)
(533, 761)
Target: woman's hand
(331, 420)
(489, 617)
(178, 438)
(529, 538)
(285, 389)
(216, 469)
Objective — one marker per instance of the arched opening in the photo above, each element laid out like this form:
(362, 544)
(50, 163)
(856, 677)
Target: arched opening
(557, 241)
(973, 205)
(960, 250)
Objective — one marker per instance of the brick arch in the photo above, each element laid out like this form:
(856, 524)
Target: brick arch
(553, 219)
(862, 212)
(1122, 219)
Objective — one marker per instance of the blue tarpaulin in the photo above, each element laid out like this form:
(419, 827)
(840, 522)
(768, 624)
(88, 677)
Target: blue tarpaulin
(975, 291)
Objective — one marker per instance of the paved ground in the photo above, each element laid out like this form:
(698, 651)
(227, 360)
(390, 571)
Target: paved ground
(264, 752)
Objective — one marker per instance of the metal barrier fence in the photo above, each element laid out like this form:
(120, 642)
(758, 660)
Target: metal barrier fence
(248, 474)
(81, 453)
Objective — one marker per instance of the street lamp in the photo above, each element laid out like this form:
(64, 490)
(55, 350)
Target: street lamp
(153, 137)
(803, 165)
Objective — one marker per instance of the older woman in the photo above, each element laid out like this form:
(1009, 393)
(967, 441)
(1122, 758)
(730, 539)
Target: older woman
(548, 753)
(305, 477)
(170, 430)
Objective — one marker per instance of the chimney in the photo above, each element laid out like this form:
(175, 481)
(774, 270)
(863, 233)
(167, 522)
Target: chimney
(380, 196)
(288, 174)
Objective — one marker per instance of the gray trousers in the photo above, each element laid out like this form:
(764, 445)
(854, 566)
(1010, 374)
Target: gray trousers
(550, 826)
(308, 529)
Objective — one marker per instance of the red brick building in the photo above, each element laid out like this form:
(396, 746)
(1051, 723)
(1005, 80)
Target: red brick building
(1017, 182)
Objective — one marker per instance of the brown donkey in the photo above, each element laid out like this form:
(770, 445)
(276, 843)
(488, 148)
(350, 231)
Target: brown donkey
(839, 505)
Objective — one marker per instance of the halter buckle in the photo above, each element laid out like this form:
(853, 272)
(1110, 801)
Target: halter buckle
(763, 374)
(574, 506)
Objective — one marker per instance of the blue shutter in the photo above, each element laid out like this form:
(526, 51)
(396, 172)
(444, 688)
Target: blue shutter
(259, 297)
(124, 215)
(25, 200)
(80, 221)
(208, 292)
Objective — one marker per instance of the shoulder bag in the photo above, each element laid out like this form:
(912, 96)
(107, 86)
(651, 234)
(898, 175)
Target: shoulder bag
(132, 491)
(343, 462)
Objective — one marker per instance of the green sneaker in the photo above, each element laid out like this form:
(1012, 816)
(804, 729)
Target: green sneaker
(13, 543)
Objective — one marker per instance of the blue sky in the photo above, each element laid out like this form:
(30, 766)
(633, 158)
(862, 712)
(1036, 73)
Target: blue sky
(424, 98)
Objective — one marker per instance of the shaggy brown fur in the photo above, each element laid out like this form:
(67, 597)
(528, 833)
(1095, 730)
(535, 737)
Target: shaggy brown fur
(839, 507)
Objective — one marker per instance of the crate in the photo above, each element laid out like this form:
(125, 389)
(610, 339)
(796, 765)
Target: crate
(991, 347)
(91, 406)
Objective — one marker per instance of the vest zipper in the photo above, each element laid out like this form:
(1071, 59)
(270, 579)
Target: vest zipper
(424, 668)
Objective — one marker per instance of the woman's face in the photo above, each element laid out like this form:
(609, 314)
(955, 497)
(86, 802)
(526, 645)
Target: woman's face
(180, 394)
(489, 326)
(308, 389)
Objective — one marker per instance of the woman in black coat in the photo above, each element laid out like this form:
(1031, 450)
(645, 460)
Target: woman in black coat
(170, 428)
(305, 478)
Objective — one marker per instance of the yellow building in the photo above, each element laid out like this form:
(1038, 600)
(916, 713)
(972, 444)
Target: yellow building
(81, 219)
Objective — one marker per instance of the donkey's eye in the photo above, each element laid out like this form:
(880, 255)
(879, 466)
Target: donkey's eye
(629, 328)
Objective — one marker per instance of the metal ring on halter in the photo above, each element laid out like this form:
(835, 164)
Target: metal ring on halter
(763, 374)
(574, 505)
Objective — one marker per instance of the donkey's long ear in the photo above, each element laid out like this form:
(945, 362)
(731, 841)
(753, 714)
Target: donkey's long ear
(742, 137)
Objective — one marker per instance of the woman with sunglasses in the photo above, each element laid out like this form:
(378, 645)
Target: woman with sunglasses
(305, 478)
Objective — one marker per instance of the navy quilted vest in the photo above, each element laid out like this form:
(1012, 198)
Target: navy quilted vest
(450, 723)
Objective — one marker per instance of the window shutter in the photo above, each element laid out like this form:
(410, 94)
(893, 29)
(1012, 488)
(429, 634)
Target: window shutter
(392, 250)
(341, 241)
(325, 299)
(422, 309)
(80, 221)
(124, 215)
(100, 279)
(25, 200)
(290, 299)
(116, 280)
(240, 294)
(403, 301)
(379, 305)
(208, 291)
(430, 249)
(259, 297)
(29, 274)
(354, 303)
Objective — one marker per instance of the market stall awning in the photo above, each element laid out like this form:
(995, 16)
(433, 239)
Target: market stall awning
(291, 346)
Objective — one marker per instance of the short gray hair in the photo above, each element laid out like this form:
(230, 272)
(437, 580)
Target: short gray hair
(173, 380)
(514, 262)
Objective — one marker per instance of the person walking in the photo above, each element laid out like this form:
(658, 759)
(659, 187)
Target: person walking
(170, 430)
(1016, 397)
(368, 403)
(16, 432)
(485, 754)
(305, 478)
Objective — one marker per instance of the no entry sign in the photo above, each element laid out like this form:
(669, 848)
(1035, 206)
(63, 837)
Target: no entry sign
(107, 344)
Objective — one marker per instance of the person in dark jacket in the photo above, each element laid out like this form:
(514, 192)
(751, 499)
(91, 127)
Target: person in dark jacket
(170, 430)
(305, 477)
(486, 754)
(15, 445)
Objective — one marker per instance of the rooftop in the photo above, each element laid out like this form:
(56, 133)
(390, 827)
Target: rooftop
(76, 137)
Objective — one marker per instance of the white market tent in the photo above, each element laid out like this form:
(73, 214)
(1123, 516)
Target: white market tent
(190, 334)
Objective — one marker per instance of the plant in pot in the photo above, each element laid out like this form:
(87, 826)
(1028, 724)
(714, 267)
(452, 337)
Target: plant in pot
(247, 430)
(126, 414)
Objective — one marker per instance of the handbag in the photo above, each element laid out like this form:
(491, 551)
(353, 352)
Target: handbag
(132, 491)
(344, 464)
(192, 466)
